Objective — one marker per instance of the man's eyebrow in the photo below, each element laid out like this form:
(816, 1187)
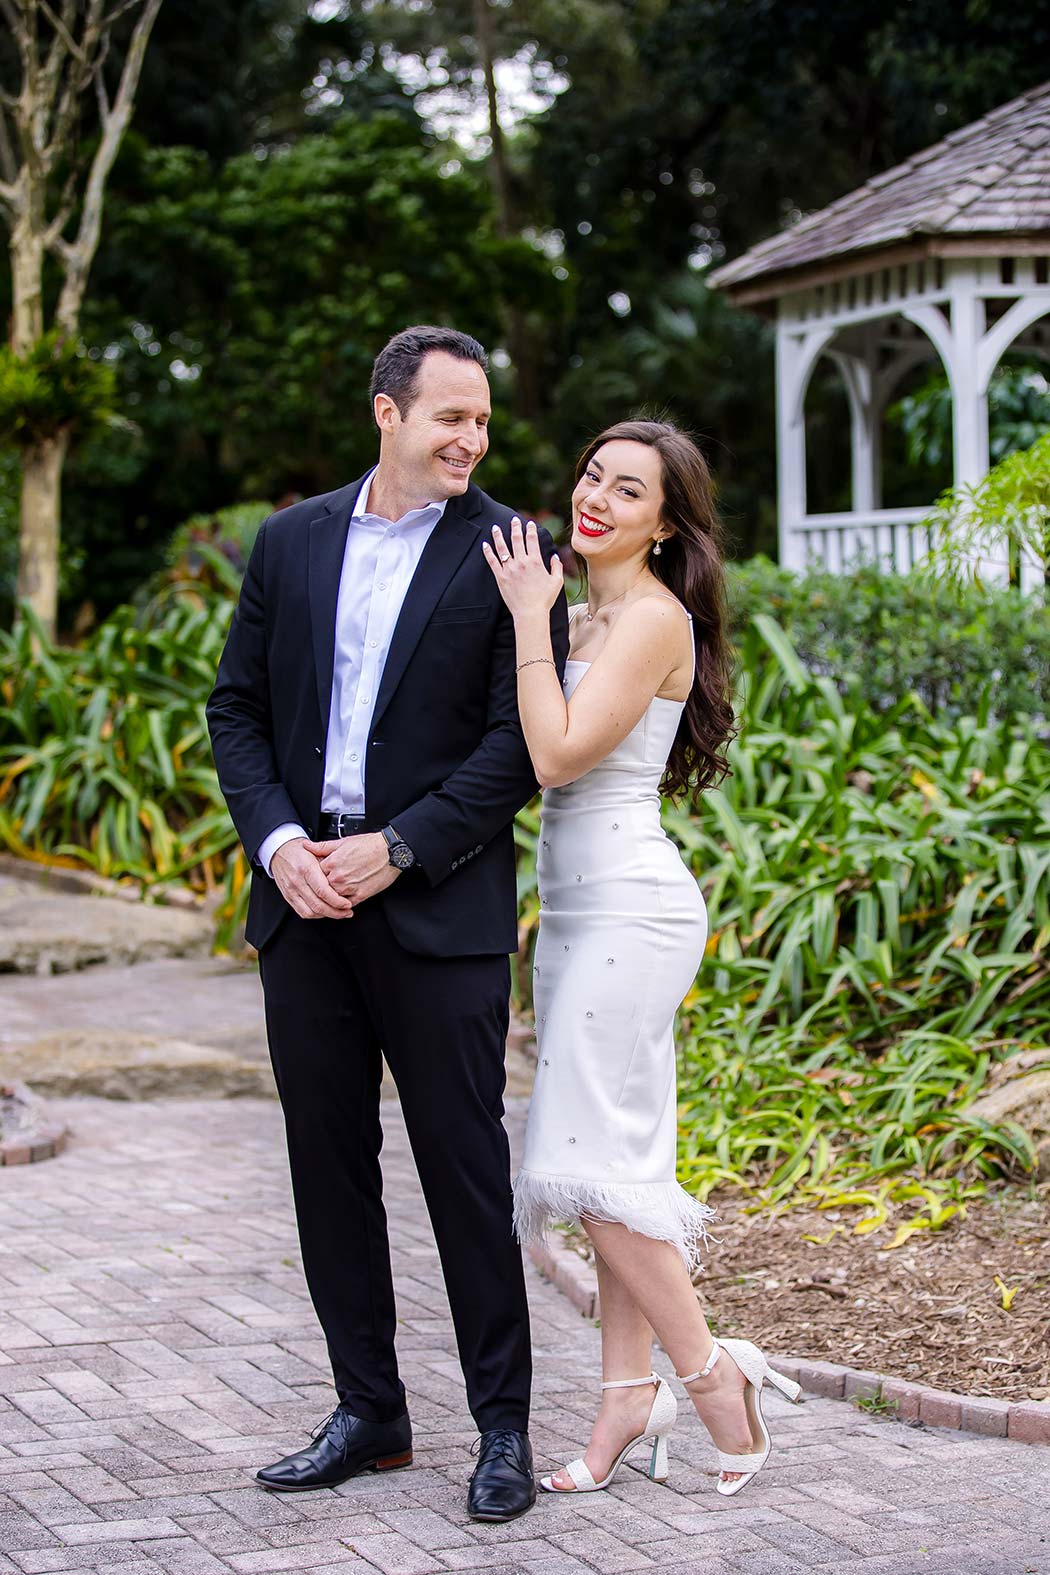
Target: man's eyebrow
(457, 410)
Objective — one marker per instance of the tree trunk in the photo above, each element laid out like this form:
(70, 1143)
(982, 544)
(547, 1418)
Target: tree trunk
(27, 285)
(519, 340)
(38, 561)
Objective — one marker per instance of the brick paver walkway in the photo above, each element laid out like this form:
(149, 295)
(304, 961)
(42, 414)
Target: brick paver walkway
(156, 1345)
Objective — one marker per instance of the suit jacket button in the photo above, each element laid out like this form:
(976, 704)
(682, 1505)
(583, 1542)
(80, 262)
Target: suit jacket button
(317, 749)
(479, 847)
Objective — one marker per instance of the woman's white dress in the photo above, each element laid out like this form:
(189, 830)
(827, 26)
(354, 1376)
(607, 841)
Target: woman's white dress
(623, 927)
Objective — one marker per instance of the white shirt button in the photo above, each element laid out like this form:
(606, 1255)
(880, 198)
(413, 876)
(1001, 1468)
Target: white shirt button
(372, 644)
(363, 699)
(353, 754)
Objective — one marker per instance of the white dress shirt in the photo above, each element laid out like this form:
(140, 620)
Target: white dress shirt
(380, 558)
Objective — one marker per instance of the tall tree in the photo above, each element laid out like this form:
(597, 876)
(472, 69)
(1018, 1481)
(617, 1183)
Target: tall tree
(51, 197)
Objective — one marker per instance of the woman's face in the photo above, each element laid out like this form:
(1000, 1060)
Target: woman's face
(617, 504)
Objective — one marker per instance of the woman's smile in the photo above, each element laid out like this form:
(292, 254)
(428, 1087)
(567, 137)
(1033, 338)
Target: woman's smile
(587, 525)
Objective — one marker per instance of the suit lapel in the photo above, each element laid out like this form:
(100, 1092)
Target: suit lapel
(326, 547)
(442, 555)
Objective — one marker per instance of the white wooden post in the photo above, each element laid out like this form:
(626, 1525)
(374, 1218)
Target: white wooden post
(969, 399)
(791, 448)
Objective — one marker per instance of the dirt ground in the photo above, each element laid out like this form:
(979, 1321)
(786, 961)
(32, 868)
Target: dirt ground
(931, 1310)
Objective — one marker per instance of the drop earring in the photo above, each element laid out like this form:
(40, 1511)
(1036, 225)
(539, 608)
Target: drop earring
(657, 550)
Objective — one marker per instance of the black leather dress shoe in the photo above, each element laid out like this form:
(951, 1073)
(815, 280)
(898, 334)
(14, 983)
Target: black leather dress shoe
(503, 1485)
(344, 1445)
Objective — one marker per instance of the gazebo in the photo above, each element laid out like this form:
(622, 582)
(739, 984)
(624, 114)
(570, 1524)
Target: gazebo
(945, 255)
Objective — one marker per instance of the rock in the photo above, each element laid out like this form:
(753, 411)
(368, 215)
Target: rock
(28, 1130)
(46, 931)
(121, 1065)
(23, 1114)
(1025, 1100)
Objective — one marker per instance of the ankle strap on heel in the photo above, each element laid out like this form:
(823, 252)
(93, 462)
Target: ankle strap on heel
(716, 1351)
(631, 1383)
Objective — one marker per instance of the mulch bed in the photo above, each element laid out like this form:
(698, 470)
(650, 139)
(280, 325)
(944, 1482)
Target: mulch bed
(929, 1311)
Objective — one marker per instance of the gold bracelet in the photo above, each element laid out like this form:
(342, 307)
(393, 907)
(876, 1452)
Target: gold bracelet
(534, 661)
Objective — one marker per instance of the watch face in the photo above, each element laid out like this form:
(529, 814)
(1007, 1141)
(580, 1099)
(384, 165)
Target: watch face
(401, 856)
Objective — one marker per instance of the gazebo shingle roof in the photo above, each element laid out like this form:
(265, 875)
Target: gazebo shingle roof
(991, 178)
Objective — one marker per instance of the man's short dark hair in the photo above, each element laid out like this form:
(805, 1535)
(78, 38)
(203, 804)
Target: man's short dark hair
(396, 367)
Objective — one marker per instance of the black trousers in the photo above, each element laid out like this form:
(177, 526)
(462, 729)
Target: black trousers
(338, 993)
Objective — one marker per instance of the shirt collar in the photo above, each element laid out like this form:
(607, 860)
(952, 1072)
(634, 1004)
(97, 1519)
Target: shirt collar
(361, 506)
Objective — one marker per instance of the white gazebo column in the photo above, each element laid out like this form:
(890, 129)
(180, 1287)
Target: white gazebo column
(857, 370)
(791, 449)
(858, 373)
(969, 393)
(797, 352)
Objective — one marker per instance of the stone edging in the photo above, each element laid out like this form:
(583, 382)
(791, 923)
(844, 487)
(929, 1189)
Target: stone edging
(1027, 1421)
(22, 1151)
(77, 882)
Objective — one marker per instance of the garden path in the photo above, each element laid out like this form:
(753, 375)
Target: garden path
(157, 1344)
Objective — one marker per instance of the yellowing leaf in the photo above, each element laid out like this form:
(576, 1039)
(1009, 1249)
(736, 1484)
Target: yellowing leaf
(1006, 1293)
(924, 785)
(869, 1223)
(903, 1233)
(822, 1241)
(842, 1198)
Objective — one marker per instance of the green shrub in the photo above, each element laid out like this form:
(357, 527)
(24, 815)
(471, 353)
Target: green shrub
(55, 387)
(105, 761)
(880, 905)
(960, 651)
(876, 868)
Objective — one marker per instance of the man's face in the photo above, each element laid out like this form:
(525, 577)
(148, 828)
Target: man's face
(443, 433)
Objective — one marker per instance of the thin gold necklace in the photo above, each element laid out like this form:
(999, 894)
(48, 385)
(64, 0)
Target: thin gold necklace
(589, 616)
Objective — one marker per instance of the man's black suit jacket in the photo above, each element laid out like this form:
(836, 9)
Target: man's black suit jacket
(446, 760)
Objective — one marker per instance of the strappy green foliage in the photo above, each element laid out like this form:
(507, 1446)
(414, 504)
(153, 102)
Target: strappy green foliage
(877, 882)
(880, 920)
(104, 753)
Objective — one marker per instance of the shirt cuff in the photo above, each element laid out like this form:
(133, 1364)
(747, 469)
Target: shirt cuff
(287, 832)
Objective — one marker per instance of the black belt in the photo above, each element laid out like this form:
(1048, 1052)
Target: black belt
(331, 825)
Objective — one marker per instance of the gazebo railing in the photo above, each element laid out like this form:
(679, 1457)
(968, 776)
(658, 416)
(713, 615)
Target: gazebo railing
(893, 538)
(896, 539)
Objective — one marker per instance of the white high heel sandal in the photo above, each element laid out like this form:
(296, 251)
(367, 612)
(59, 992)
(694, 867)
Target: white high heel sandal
(757, 1371)
(660, 1422)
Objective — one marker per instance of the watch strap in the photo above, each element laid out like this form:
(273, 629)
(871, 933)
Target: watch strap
(394, 840)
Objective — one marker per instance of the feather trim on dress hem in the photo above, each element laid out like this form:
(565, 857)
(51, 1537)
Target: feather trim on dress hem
(660, 1209)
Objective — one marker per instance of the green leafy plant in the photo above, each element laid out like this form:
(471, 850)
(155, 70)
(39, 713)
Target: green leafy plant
(55, 387)
(881, 914)
(1001, 520)
(104, 755)
(876, 874)
(875, 1405)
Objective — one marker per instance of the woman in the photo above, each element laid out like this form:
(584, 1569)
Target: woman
(645, 705)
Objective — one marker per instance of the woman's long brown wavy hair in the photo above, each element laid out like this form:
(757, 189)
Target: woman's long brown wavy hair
(691, 565)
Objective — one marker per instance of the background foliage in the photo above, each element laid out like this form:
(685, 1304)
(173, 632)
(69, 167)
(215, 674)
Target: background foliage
(290, 194)
(299, 183)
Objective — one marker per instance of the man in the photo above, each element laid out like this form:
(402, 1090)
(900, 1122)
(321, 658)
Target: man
(365, 729)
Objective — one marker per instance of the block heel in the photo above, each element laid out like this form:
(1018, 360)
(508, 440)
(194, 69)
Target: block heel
(394, 1462)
